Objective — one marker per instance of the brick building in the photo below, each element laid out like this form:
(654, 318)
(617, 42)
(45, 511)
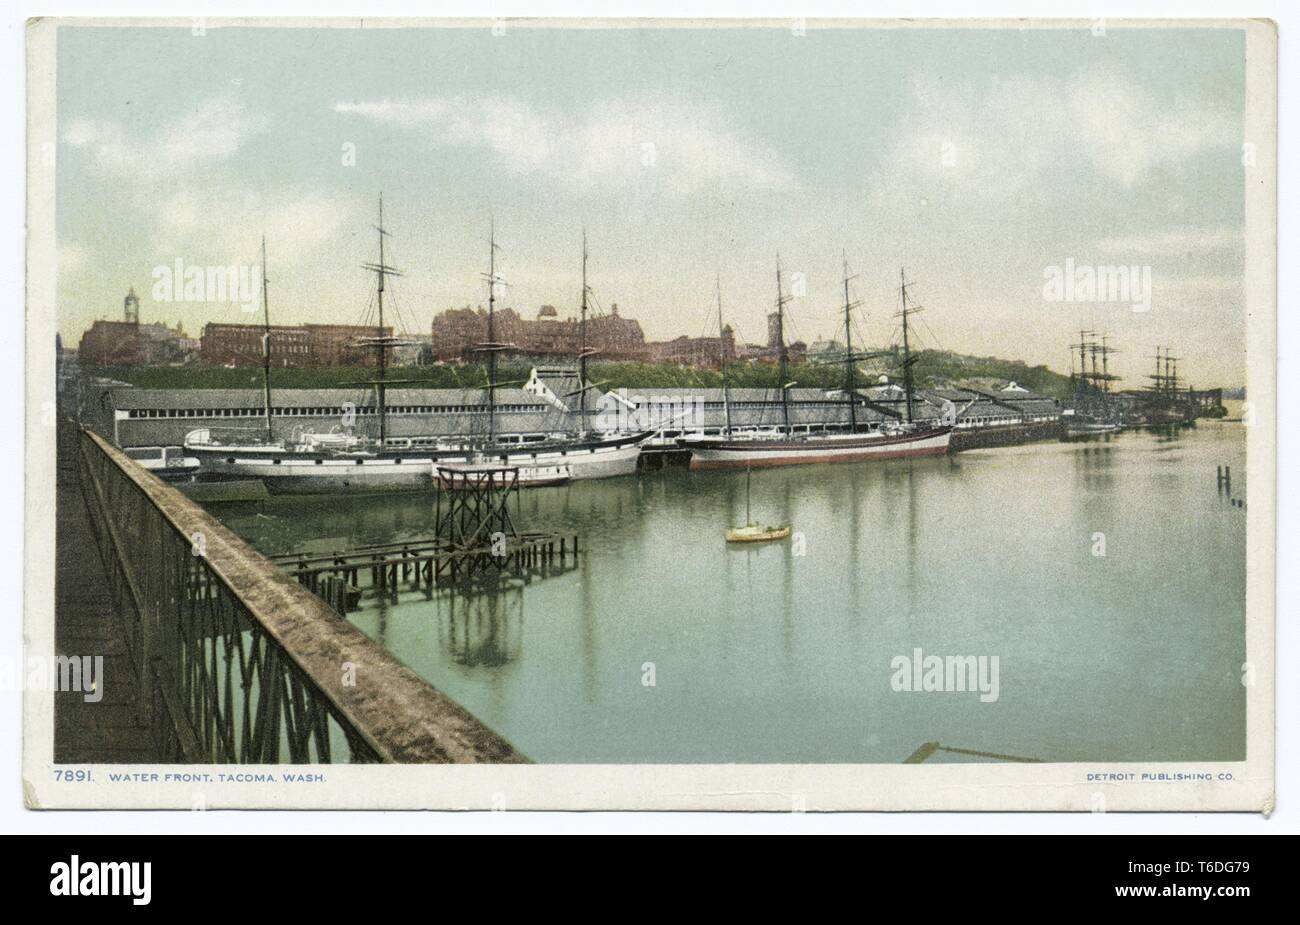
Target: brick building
(457, 332)
(696, 351)
(345, 345)
(304, 345)
(130, 343)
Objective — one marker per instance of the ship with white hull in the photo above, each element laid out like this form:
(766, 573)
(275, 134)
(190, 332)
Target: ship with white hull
(343, 461)
(284, 469)
(1082, 425)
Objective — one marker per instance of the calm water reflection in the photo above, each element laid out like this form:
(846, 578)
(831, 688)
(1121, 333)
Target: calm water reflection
(781, 653)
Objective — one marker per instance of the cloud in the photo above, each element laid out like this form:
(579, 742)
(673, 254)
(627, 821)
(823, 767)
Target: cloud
(213, 131)
(613, 145)
(1203, 286)
(73, 257)
(405, 114)
(1126, 133)
(1178, 242)
(221, 224)
(984, 146)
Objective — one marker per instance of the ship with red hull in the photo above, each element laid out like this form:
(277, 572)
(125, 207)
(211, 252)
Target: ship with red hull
(902, 439)
(737, 454)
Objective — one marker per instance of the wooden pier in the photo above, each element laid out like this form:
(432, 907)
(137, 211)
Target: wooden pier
(475, 547)
(212, 653)
(114, 728)
(341, 576)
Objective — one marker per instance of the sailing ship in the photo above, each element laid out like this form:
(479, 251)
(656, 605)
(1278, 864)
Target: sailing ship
(341, 460)
(754, 532)
(1081, 425)
(892, 441)
(482, 460)
(1094, 413)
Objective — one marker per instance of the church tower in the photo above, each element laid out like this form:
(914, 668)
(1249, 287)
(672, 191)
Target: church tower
(131, 307)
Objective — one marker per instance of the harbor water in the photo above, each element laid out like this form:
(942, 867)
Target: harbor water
(1106, 576)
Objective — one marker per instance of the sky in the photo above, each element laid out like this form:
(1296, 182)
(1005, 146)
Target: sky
(977, 159)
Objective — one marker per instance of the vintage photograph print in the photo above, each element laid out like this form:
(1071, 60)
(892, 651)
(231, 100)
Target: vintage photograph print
(600, 414)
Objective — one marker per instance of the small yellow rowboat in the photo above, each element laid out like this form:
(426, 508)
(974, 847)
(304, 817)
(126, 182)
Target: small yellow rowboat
(756, 533)
(752, 532)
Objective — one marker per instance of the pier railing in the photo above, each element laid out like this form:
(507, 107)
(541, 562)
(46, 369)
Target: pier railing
(239, 663)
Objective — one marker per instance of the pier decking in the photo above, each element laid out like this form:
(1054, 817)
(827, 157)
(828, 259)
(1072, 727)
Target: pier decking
(212, 653)
(427, 564)
(111, 729)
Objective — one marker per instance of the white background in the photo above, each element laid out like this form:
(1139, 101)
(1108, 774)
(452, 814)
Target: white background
(14, 818)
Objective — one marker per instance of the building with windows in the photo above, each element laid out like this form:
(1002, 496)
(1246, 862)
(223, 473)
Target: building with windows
(304, 345)
(696, 351)
(458, 334)
(130, 343)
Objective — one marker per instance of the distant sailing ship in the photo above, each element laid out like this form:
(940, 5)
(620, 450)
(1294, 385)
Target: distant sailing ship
(906, 439)
(342, 461)
(1094, 413)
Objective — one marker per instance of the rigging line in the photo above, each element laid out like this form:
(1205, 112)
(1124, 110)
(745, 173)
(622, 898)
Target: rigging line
(708, 324)
(403, 318)
(394, 310)
(592, 301)
(368, 312)
(933, 337)
(859, 331)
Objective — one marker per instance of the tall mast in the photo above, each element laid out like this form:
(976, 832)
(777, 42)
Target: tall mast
(266, 348)
(383, 348)
(722, 359)
(783, 354)
(491, 333)
(907, 347)
(1083, 360)
(850, 385)
(1105, 363)
(749, 517)
(582, 340)
(383, 271)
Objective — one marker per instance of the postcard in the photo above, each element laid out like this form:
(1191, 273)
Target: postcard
(777, 415)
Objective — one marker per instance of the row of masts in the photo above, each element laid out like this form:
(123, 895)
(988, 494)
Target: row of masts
(1094, 365)
(851, 359)
(492, 347)
(1165, 378)
(381, 341)
(1094, 362)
